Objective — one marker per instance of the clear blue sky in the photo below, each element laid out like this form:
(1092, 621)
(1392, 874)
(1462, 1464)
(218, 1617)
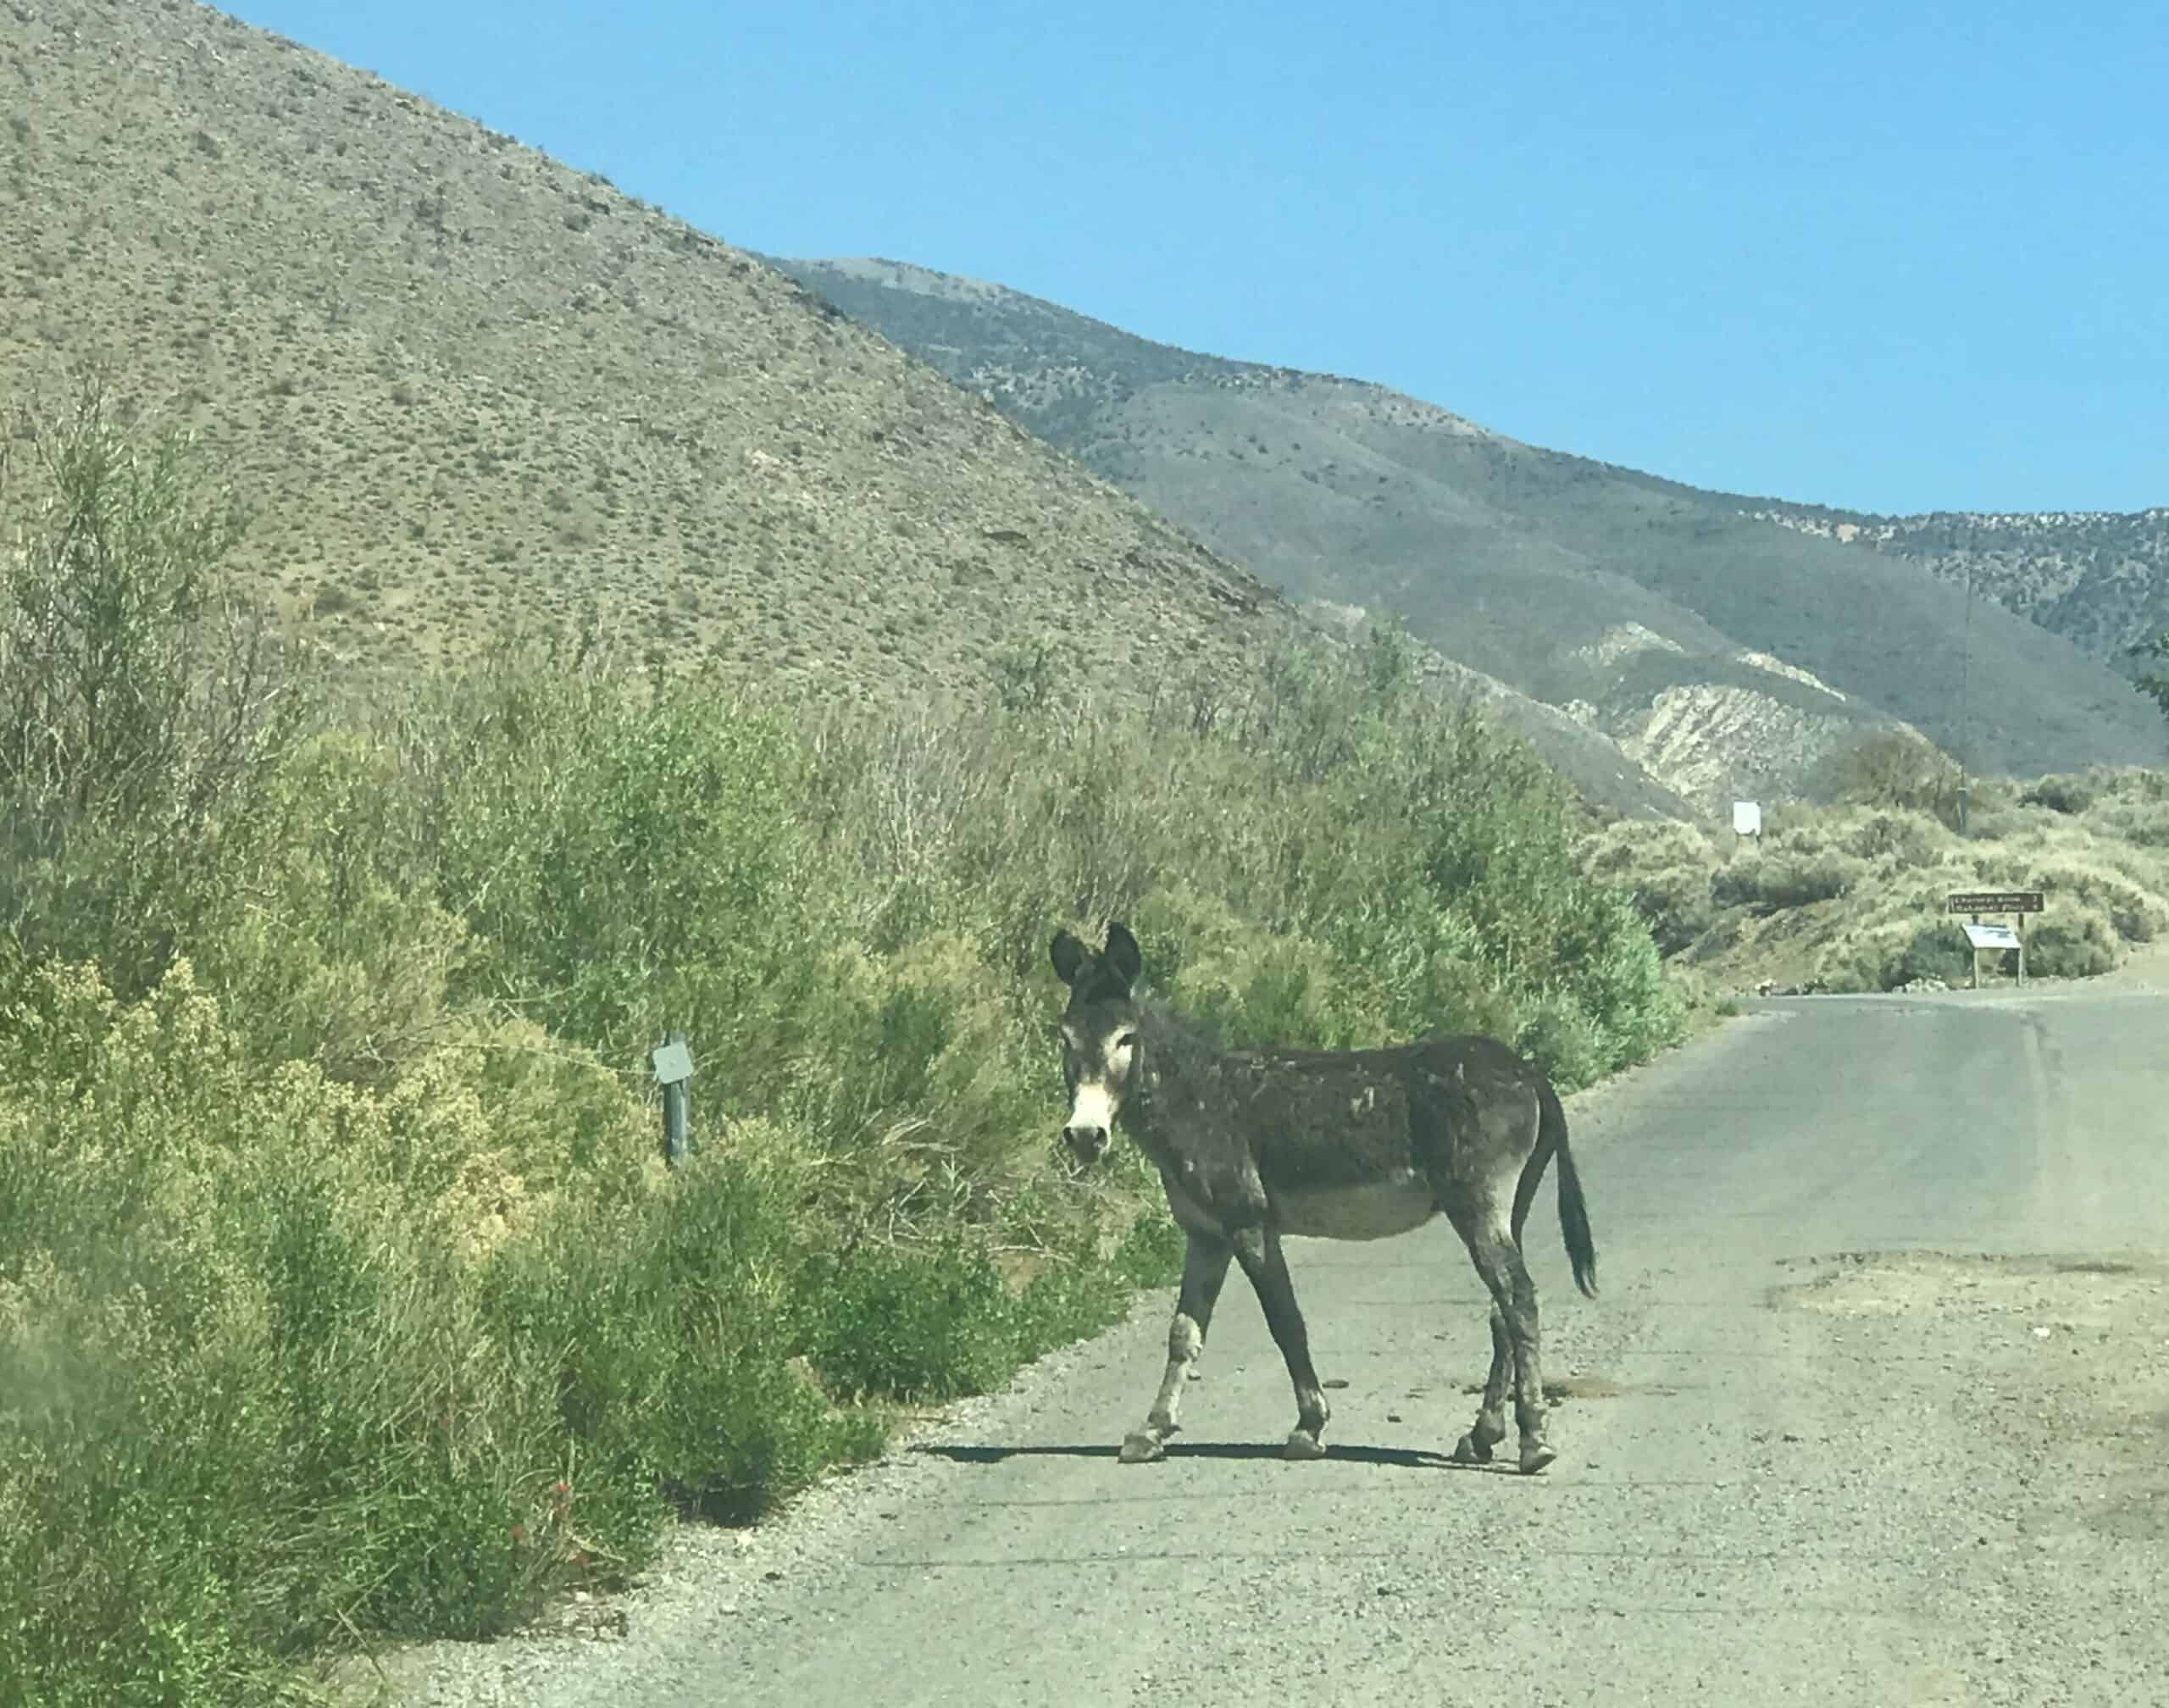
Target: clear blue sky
(1895, 257)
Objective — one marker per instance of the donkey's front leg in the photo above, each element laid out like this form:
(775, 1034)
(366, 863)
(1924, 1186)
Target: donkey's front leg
(1258, 1250)
(1204, 1267)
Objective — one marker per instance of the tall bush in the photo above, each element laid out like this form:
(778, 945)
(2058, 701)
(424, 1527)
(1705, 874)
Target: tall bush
(341, 1287)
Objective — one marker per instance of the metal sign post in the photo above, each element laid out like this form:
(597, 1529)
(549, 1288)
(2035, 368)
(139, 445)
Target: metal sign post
(2016, 902)
(674, 1066)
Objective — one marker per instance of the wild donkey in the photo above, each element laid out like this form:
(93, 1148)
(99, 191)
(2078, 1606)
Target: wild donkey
(1346, 1145)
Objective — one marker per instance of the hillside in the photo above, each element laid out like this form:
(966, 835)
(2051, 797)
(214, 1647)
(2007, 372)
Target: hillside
(1724, 653)
(2099, 579)
(465, 388)
(464, 385)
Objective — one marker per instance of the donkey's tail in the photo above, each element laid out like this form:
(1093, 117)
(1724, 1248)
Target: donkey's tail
(1573, 1210)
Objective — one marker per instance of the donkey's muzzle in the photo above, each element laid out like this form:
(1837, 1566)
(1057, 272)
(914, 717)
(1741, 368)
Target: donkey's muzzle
(1088, 1141)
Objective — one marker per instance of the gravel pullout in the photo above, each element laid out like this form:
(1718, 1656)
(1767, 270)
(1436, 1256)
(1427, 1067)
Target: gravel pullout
(1870, 1411)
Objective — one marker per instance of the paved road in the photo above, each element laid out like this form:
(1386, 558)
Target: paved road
(1786, 1475)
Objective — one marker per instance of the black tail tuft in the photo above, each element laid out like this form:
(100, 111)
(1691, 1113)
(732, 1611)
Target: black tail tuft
(1573, 1208)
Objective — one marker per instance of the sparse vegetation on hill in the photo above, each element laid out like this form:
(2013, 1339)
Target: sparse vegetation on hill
(1848, 894)
(2100, 578)
(462, 389)
(344, 1293)
(1533, 565)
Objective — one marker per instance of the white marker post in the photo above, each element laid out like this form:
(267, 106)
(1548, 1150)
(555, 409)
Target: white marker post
(674, 1066)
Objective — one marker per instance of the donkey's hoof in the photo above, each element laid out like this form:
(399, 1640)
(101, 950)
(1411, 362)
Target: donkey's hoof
(1303, 1444)
(1536, 1455)
(1471, 1451)
(1141, 1447)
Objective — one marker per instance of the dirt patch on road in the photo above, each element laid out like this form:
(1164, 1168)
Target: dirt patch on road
(2066, 1356)
(1559, 1388)
(2062, 1294)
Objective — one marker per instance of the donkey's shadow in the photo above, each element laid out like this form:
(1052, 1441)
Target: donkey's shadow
(1398, 1458)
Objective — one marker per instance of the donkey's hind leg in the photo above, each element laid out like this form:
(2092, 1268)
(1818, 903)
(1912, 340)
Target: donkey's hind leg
(1204, 1267)
(1525, 1332)
(1491, 1245)
(1489, 1429)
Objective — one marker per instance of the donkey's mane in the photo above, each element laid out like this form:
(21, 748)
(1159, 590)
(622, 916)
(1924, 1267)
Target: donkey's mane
(1192, 1030)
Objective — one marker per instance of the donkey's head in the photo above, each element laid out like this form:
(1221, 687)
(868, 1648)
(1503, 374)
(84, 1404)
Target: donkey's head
(1099, 1034)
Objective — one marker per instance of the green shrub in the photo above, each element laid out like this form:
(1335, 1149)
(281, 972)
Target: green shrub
(2134, 912)
(1936, 951)
(1151, 1253)
(665, 1322)
(1677, 904)
(256, 1413)
(341, 1287)
(1891, 768)
(2066, 795)
(145, 702)
(2089, 840)
(625, 864)
(2141, 822)
(1786, 876)
(2075, 942)
(1896, 837)
(919, 1325)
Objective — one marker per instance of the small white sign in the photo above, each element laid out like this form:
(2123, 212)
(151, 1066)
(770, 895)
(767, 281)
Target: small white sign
(1747, 818)
(1991, 936)
(673, 1062)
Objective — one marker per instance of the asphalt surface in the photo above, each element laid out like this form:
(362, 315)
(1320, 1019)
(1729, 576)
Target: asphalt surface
(1817, 1445)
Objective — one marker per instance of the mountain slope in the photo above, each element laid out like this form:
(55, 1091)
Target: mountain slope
(1725, 649)
(2100, 578)
(464, 387)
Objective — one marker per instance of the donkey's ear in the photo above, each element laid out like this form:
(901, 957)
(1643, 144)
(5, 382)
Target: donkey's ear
(1068, 955)
(1124, 959)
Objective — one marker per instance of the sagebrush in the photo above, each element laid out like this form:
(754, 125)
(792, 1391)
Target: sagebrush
(344, 1293)
(1850, 893)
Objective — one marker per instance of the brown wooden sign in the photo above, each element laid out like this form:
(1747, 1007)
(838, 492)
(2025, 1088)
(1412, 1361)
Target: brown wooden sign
(1997, 902)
